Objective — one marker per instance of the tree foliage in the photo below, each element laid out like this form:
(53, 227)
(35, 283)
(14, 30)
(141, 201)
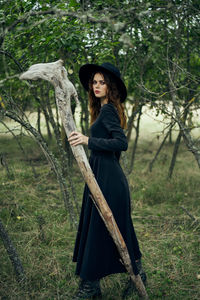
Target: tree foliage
(153, 43)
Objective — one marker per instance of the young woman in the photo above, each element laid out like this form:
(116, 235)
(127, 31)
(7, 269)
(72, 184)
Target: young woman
(95, 252)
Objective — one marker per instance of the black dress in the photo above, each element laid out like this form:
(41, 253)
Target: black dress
(95, 252)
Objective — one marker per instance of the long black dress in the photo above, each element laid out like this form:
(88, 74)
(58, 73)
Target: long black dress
(95, 252)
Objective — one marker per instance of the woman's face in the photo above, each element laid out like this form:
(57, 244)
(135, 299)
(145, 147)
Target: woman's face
(99, 86)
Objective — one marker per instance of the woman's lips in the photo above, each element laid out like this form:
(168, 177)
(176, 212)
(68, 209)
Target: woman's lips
(97, 92)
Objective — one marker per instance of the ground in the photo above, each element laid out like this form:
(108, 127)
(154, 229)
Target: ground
(169, 238)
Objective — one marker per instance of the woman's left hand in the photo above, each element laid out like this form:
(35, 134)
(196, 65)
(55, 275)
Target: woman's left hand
(77, 138)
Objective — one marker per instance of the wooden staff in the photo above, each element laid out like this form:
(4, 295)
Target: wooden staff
(56, 74)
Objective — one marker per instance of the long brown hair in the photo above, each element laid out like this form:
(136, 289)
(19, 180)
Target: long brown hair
(112, 95)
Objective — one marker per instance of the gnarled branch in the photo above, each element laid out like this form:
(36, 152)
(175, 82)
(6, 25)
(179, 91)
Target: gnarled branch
(56, 74)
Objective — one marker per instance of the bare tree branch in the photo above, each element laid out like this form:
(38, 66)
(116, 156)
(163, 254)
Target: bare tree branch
(12, 253)
(51, 159)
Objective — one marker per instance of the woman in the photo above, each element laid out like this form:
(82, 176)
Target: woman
(95, 252)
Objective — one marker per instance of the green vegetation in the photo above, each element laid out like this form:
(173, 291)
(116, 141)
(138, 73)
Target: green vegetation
(155, 44)
(169, 238)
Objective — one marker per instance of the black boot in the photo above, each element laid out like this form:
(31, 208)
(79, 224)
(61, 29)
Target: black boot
(130, 287)
(88, 290)
(141, 271)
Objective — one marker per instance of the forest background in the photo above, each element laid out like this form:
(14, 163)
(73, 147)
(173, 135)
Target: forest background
(156, 45)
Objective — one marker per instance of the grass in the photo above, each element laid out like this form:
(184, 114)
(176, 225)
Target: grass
(169, 238)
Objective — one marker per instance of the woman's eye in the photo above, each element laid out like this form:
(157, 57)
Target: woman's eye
(101, 82)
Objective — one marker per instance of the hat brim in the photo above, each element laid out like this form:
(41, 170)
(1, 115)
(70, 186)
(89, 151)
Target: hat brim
(86, 72)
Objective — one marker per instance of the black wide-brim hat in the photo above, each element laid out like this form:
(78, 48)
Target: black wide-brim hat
(86, 72)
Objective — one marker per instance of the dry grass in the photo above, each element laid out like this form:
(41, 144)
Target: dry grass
(168, 237)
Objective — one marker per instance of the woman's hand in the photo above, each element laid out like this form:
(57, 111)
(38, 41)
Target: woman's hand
(77, 138)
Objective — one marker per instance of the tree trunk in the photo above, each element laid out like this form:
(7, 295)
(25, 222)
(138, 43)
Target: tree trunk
(178, 140)
(135, 110)
(190, 143)
(64, 90)
(159, 149)
(39, 120)
(9, 170)
(22, 149)
(170, 138)
(137, 129)
(174, 155)
(62, 153)
(12, 253)
(51, 159)
(45, 112)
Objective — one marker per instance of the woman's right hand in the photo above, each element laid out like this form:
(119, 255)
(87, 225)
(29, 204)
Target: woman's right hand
(77, 138)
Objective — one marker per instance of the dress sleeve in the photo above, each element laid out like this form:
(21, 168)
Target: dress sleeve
(117, 140)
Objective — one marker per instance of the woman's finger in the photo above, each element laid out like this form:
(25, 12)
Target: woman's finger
(75, 143)
(73, 136)
(76, 138)
(73, 133)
